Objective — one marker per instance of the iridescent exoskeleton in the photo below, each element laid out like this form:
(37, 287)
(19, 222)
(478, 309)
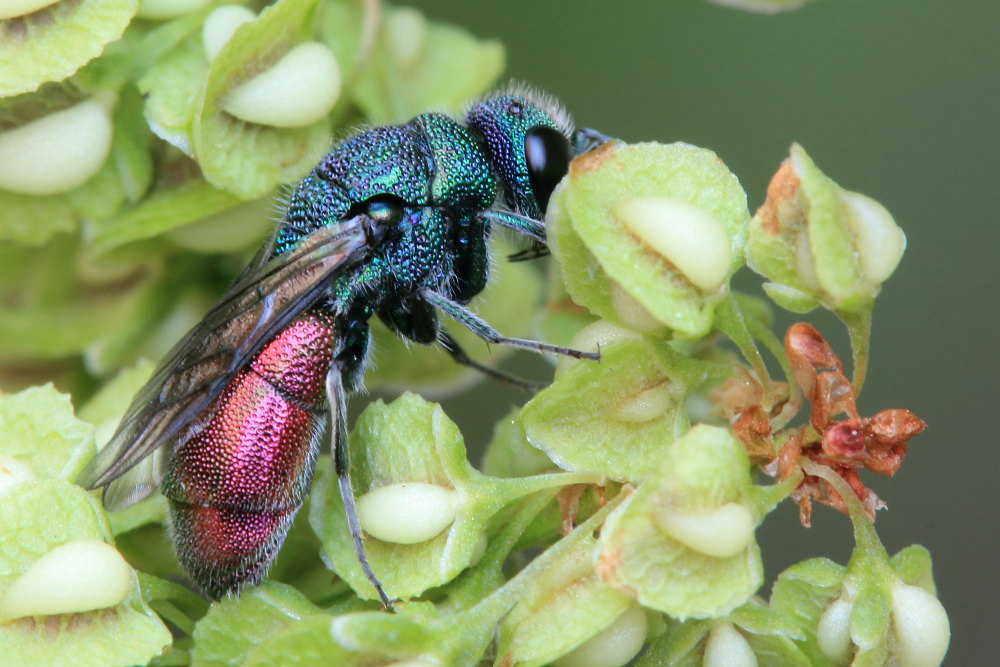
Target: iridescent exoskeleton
(394, 222)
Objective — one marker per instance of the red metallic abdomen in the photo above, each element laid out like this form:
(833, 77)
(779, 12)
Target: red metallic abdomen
(244, 468)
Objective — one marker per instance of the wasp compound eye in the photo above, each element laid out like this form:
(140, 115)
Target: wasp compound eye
(546, 152)
(387, 210)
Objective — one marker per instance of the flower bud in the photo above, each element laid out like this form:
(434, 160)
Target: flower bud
(220, 25)
(57, 152)
(298, 90)
(820, 244)
(833, 633)
(11, 8)
(407, 513)
(920, 625)
(630, 312)
(722, 532)
(726, 647)
(613, 646)
(663, 225)
(647, 405)
(687, 236)
(406, 31)
(78, 576)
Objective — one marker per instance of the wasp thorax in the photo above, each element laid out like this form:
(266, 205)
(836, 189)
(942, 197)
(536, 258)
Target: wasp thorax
(407, 513)
(78, 576)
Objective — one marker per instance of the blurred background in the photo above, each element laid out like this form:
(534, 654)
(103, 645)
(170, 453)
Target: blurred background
(896, 99)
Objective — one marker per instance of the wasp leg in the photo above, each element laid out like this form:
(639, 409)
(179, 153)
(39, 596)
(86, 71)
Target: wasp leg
(533, 229)
(459, 355)
(481, 328)
(342, 466)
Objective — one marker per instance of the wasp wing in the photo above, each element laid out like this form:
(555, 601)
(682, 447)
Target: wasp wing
(262, 302)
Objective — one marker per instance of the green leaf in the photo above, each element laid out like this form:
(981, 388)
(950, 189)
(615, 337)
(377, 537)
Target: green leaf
(54, 42)
(40, 432)
(235, 627)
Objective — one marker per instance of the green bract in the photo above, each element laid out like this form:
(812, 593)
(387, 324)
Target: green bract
(820, 244)
(618, 416)
(412, 440)
(698, 473)
(607, 261)
(769, 636)
(40, 515)
(563, 609)
(53, 43)
(41, 433)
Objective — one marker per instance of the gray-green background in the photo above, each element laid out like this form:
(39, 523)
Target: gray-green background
(894, 98)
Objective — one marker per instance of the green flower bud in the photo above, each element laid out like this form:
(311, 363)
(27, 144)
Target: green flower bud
(877, 610)
(613, 646)
(406, 30)
(57, 152)
(647, 235)
(78, 576)
(820, 244)
(833, 634)
(920, 627)
(722, 532)
(683, 542)
(726, 647)
(220, 25)
(616, 417)
(407, 513)
(297, 91)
